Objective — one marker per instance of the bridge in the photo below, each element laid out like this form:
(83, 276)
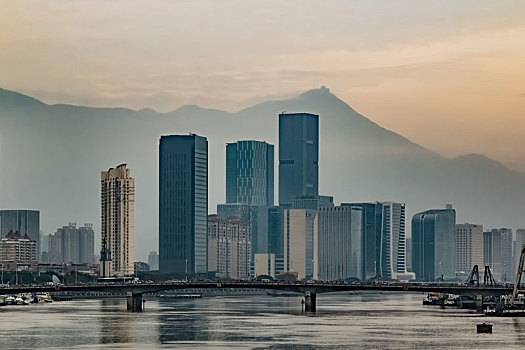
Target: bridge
(310, 289)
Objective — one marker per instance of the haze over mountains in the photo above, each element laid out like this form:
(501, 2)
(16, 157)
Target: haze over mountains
(51, 157)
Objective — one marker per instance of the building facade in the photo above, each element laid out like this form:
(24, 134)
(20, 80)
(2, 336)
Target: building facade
(17, 249)
(497, 254)
(264, 265)
(70, 244)
(298, 243)
(250, 173)
(22, 221)
(153, 261)
(333, 233)
(254, 215)
(117, 222)
(393, 242)
(183, 204)
(434, 244)
(469, 247)
(229, 248)
(298, 156)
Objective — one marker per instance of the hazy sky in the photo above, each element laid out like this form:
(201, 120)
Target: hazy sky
(447, 74)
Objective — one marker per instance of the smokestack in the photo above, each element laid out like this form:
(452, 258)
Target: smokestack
(448, 206)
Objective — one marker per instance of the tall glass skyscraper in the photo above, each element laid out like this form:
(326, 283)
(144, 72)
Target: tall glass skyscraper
(183, 204)
(298, 156)
(249, 173)
(23, 221)
(434, 244)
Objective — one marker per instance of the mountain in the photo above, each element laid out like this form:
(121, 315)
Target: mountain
(51, 157)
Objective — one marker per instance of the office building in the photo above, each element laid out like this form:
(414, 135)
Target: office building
(497, 254)
(229, 247)
(70, 244)
(153, 261)
(298, 243)
(250, 173)
(518, 245)
(312, 202)
(298, 156)
(333, 234)
(393, 242)
(17, 249)
(22, 221)
(366, 240)
(276, 235)
(264, 265)
(434, 244)
(469, 247)
(183, 204)
(117, 222)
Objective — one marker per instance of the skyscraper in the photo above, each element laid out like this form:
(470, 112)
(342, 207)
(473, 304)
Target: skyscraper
(299, 244)
(117, 221)
(469, 247)
(393, 243)
(183, 204)
(298, 156)
(250, 173)
(434, 244)
(22, 221)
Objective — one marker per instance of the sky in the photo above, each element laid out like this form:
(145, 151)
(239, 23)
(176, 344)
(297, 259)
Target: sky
(446, 74)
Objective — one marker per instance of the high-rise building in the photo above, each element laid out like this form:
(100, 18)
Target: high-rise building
(333, 234)
(366, 240)
(17, 249)
(298, 156)
(153, 261)
(434, 244)
(518, 245)
(117, 222)
(250, 173)
(469, 247)
(393, 242)
(183, 204)
(264, 265)
(22, 221)
(299, 244)
(254, 215)
(229, 247)
(497, 253)
(72, 245)
(312, 202)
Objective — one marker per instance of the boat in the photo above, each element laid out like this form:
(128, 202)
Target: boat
(484, 328)
(43, 297)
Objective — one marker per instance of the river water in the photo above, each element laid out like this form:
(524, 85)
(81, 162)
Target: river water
(343, 320)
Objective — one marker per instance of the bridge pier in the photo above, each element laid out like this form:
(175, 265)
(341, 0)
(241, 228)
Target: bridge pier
(134, 302)
(310, 301)
(479, 302)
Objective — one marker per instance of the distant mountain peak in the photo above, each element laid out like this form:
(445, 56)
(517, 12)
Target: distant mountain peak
(8, 97)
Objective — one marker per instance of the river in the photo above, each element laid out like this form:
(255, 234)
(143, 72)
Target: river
(344, 320)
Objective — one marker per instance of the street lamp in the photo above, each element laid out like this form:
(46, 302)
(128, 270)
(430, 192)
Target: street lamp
(186, 270)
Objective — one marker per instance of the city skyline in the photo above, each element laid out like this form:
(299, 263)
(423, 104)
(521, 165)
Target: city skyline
(465, 74)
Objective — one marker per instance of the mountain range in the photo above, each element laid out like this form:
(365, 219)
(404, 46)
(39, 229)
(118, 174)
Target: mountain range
(51, 157)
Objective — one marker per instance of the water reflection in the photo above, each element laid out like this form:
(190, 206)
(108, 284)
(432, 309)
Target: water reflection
(395, 321)
(115, 325)
(180, 320)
